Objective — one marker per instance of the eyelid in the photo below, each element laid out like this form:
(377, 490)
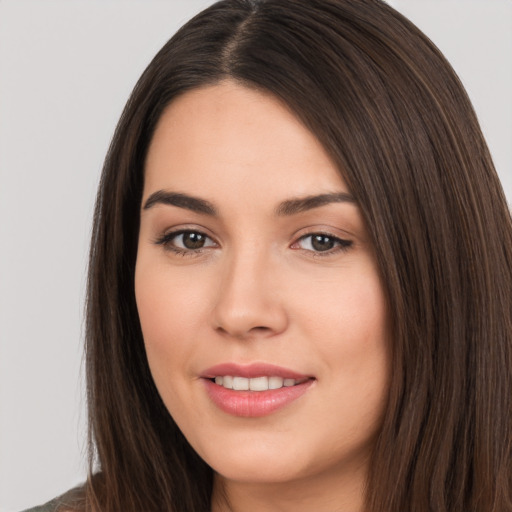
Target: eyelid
(170, 234)
(341, 243)
(178, 234)
(176, 229)
(337, 239)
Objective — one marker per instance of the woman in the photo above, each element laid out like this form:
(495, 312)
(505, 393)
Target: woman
(300, 276)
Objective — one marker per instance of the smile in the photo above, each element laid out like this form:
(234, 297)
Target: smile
(254, 390)
(256, 383)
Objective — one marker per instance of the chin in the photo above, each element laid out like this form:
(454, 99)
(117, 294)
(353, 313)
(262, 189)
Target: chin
(260, 471)
(255, 462)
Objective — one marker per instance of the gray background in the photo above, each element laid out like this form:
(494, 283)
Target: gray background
(66, 69)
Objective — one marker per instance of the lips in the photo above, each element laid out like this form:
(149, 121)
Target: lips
(263, 383)
(254, 390)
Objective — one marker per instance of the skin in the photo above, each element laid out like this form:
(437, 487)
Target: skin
(260, 291)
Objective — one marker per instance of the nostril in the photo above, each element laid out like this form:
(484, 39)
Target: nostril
(250, 318)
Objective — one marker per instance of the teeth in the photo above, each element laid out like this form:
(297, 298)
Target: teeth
(275, 382)
(254, 384)
(258, 384)
(240, 384)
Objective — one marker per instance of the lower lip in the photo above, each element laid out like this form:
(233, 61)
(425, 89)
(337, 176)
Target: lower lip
(254, 404)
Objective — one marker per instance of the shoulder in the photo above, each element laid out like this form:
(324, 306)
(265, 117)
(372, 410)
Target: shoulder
(51, 506)
(68, 502)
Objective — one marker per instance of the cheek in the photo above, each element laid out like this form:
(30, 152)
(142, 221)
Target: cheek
(168, 312)
(347, 313)
(168, 303)
(348, 323)
(363, 335)
(167, 326)
(365, 354)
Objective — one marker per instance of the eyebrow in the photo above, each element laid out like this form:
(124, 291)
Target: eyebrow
(286, 208)
(302, 204)
(194, 204)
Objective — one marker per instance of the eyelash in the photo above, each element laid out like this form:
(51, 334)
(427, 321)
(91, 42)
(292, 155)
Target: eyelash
(340, 245)
(167, 239)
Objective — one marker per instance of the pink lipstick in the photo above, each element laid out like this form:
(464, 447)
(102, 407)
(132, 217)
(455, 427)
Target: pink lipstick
(253, 390)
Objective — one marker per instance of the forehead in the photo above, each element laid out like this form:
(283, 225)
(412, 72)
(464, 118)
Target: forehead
(226, 137)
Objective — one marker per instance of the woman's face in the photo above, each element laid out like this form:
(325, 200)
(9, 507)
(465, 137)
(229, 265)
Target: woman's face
(254, 270)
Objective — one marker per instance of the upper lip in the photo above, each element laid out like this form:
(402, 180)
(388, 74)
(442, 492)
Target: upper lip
(251, 370)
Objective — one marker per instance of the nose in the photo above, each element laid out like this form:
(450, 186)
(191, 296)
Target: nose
(249, 301)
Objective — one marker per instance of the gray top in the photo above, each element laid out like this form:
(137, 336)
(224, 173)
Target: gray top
(65, 502)
(51, 506)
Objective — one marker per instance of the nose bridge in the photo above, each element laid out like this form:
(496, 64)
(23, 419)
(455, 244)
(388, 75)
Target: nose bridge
(248, 301)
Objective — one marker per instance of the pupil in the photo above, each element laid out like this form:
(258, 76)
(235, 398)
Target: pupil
(193, 240)
(322, 243)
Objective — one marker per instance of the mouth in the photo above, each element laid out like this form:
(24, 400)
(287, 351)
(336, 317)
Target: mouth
(255, 390)
(258, 384)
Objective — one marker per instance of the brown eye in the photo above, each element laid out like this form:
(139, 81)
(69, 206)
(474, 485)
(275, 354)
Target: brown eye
(323, 243)
(192, 240)
(184, 241)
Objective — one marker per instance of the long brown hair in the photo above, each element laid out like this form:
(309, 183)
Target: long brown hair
(394, 117)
